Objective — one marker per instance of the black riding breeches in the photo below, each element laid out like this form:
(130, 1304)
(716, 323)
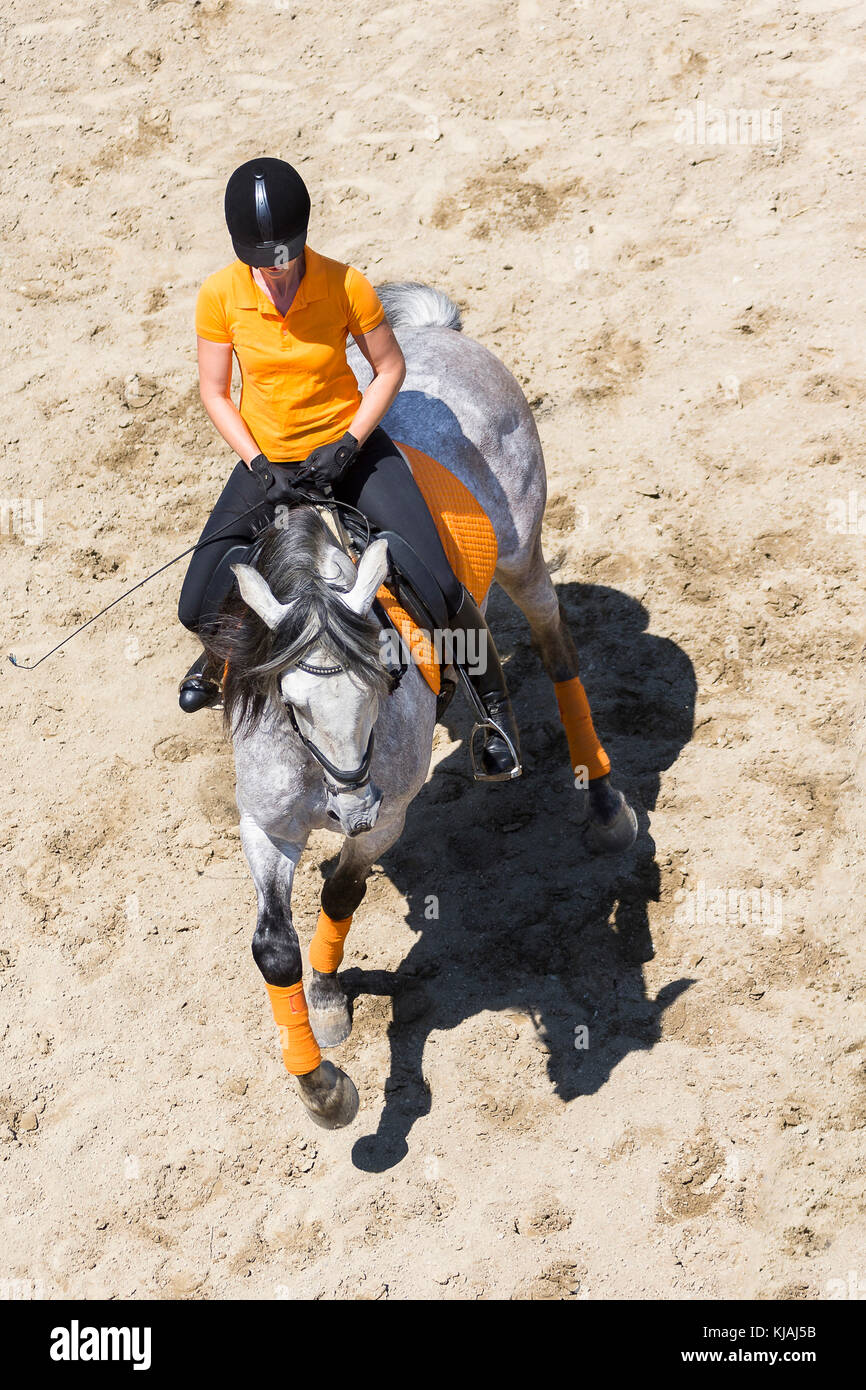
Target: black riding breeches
(377, 482)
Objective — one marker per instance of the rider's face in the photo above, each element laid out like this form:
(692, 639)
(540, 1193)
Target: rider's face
(277, 276)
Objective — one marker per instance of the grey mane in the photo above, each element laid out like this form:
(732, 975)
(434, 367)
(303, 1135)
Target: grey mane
(294, 559)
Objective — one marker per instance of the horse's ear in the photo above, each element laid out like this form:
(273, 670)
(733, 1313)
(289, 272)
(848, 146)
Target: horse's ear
(256, 593)
(345, 574)
(372, 569)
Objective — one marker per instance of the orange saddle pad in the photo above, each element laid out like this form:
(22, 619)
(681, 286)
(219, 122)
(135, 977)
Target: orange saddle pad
(468, 540)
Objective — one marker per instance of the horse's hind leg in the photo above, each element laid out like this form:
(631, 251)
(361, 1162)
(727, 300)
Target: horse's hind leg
(330, 1015)
(327, 1092)
(611, 822)
(529, 585)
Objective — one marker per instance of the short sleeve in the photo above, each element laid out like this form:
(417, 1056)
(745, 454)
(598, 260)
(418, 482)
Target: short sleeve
(210, 315)
(365, 307)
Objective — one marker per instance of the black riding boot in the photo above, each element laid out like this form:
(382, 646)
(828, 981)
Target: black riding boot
(497, 760)
(199, 687)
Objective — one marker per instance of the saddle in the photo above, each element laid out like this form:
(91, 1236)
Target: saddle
(411, 600)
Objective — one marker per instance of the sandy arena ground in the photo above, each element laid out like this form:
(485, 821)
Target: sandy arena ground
(687, 321)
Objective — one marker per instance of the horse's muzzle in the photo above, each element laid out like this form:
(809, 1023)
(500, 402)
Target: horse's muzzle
(356, 811)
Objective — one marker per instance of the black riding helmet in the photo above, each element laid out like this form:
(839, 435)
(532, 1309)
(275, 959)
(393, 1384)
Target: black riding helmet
(267, 212)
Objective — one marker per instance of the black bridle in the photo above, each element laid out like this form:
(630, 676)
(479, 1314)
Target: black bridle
(341, 781)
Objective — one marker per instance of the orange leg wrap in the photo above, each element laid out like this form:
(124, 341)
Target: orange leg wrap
(326, 947)
(300, 1049)
(584, 747)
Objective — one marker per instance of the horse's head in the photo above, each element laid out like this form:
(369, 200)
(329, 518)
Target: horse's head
(319, 656)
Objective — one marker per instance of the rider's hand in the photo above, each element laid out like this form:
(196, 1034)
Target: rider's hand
(274, 480)
(283, 487)
(327, 464)
(261, 469)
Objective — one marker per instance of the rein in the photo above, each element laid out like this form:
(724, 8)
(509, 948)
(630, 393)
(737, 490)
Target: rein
(342, 781)
(355, 778)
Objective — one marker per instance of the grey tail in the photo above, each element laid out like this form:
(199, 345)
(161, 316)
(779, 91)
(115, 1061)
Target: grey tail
(408, 304)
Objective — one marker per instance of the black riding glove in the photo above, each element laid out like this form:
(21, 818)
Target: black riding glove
(262, 471)
(283, 488)
(275, 482)
(327, 464)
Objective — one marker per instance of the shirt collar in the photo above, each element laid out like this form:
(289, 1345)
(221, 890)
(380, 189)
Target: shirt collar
(314, 285)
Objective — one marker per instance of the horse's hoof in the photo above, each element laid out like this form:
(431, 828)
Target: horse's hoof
(331, 1026)
(329, 1095)
(330, 1018)
(613, 836)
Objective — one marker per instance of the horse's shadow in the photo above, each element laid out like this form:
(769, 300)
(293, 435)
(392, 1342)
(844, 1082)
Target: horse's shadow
(528, 920)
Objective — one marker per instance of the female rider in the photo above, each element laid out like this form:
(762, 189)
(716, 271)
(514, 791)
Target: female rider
(285, 311)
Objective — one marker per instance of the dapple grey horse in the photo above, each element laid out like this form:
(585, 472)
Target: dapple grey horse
(460, 405)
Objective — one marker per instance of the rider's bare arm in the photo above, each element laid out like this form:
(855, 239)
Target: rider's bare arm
(215, 381)
(382, 351)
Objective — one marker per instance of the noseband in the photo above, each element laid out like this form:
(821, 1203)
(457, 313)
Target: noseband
(341, 781)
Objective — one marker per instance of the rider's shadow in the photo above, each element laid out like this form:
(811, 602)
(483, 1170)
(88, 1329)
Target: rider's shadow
(529, 922)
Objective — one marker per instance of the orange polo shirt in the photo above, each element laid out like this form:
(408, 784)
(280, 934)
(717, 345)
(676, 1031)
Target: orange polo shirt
(297, 389)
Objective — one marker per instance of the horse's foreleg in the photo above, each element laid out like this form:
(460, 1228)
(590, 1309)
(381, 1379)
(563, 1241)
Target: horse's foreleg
(329, 1007)
(611, 822)
(341, 894)
(326, 1091)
